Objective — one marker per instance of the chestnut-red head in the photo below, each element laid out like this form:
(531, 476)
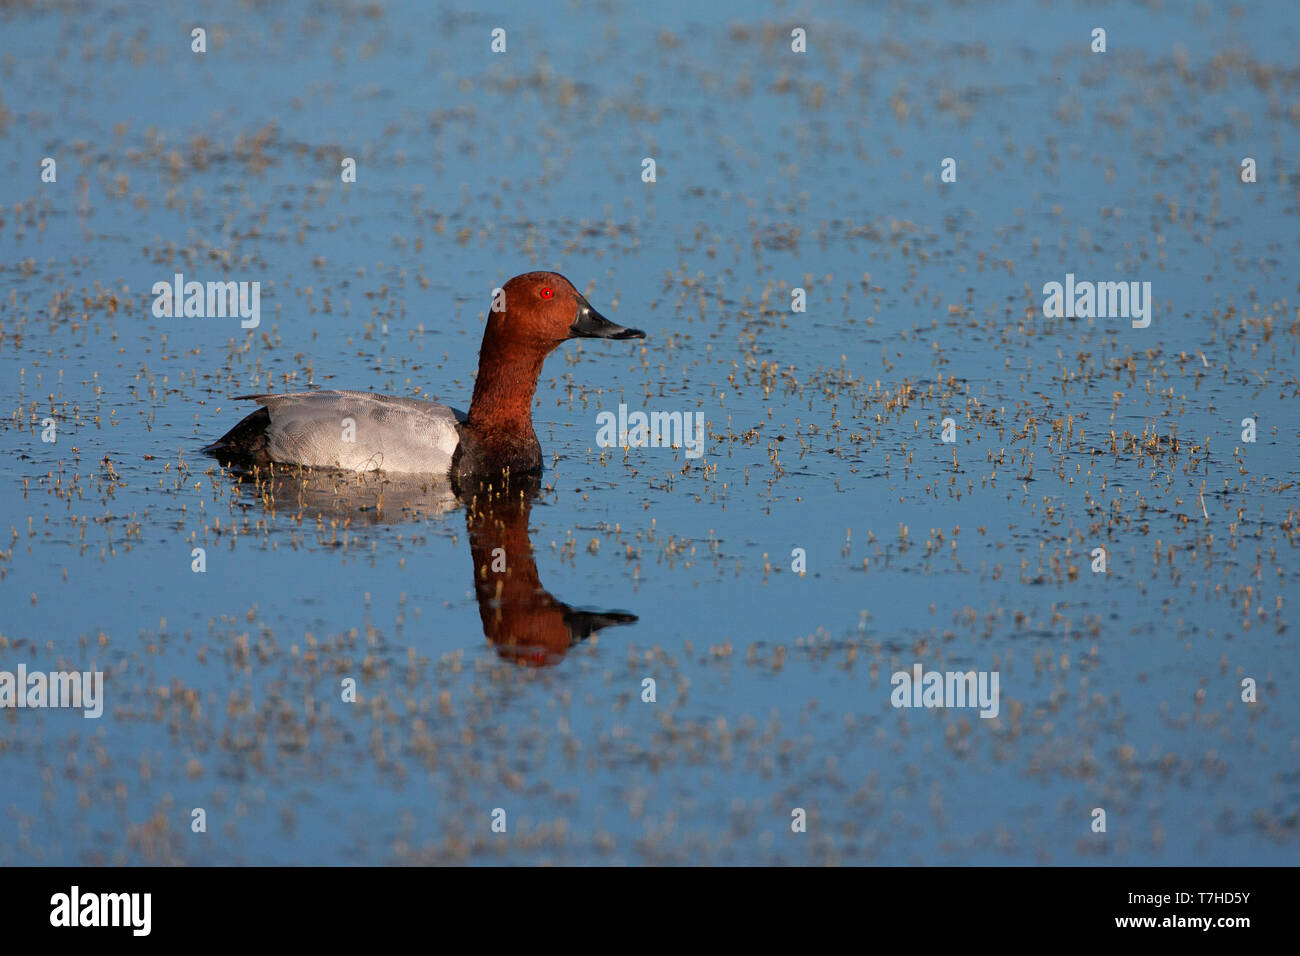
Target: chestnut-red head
(543, 309)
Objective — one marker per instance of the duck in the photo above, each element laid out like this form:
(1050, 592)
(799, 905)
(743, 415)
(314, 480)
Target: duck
(532, 315)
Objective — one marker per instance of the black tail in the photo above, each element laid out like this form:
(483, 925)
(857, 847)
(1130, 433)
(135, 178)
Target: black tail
(245, 444)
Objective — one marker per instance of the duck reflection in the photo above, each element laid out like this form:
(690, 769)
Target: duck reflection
(522, 620)
(520, 617)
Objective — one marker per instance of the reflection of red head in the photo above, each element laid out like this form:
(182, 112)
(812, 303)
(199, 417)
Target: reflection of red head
(522, 619)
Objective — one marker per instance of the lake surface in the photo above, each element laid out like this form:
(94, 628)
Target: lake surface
(223, 690)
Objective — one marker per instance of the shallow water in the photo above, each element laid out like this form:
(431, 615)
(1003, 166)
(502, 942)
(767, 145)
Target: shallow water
(1120, 691)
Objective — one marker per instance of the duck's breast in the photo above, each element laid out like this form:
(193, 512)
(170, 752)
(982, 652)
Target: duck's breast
(361, 431)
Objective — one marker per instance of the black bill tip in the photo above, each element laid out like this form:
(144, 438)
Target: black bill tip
(619, 332)
(590, 324)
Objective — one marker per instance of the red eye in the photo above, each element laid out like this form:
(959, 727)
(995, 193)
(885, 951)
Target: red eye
(547, 293)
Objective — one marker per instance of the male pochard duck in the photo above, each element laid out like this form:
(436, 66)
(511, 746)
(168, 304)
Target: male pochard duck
(398, 434)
